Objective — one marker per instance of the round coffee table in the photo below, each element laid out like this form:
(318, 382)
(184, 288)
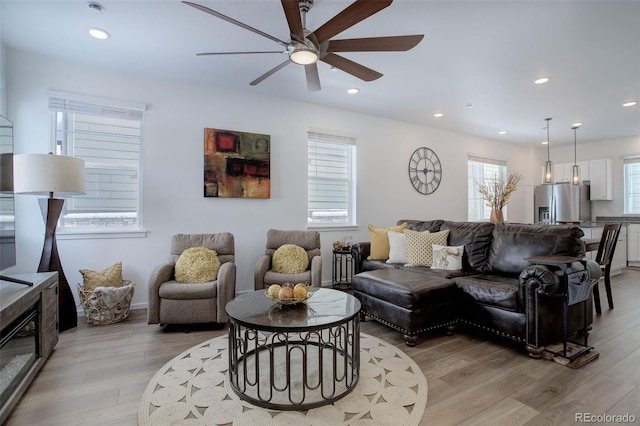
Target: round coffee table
(294, 357)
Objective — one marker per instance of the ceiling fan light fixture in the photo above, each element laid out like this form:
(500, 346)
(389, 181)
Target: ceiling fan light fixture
(303, 54)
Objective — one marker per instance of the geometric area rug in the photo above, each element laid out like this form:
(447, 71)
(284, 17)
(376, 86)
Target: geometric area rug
(193, 389)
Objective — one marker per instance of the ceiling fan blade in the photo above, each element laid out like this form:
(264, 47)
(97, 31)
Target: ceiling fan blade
(350, 67)
(356, 12)
(270, 72)
(237, 53)
(292, 12)
(375, 44)
(233, 21)
(313, 79)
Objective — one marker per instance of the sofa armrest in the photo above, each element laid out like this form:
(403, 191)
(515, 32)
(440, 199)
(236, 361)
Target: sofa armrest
(541, 288)
(263, 264)
(226, 289)
(161, 274)
(360, 252)
(539, 278)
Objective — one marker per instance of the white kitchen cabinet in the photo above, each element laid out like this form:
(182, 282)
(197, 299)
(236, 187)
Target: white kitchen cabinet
(600, 176)
(563, 172)
(633, 244)
(620, 254)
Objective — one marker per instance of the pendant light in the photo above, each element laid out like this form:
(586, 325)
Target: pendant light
(548, 166)
(575, 170)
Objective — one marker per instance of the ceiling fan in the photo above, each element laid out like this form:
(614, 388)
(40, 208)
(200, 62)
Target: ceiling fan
(307, 47)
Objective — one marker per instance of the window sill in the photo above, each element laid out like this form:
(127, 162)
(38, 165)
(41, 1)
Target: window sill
(332, 227)
(86, 234)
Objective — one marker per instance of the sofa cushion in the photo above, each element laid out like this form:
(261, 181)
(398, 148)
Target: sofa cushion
(514, 243)
(475, 237)
(405, 288)
(490, 290)
(380, 241)
(419, 246)
(423, 225)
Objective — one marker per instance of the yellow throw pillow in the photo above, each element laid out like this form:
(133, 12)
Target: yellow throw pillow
(197, 265)
(110, 277)
(379, 238)
(290, 259)
(419, 246)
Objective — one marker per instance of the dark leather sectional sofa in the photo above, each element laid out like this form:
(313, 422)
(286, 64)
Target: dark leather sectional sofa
(497, 290)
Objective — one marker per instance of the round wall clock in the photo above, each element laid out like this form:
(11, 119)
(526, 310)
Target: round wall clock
(425, 170)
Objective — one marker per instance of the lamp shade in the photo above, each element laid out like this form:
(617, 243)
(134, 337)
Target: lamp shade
(40, 174)
(6, 172)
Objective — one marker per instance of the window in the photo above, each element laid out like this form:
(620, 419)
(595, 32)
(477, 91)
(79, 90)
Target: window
(331, 183)
(482, 170)
(632, 184)
(108, 139)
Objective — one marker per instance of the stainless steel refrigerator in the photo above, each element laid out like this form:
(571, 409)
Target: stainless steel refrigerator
(561, 202)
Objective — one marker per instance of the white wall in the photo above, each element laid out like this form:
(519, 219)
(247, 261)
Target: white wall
(616, 150)
(173, 156)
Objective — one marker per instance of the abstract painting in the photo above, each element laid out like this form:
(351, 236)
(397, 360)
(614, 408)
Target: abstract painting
(236, 164)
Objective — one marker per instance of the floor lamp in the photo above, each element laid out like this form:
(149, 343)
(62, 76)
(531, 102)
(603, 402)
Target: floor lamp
(48, 174)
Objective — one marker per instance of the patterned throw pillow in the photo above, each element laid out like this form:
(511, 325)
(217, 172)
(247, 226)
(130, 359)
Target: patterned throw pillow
(419, 246)
(197, 265)
(110, 277)
(289, 259)
(380, 241)
(448, 258)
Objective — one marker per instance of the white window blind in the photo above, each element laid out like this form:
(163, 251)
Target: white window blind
(632, 184)
(107, 137)
(331, 179)
(481, 170)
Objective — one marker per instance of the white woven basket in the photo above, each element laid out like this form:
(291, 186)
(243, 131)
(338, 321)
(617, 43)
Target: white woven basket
(98, 313)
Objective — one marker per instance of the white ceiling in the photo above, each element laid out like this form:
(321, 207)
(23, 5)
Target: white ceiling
(482, 52)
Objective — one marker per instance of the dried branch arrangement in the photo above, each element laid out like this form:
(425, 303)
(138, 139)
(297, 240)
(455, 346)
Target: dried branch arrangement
(496, 192)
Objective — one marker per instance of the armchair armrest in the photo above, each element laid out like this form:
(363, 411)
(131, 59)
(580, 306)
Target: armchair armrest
(161, 274)
(316, 271)
(263, 264)
(226, 289)
(360, 252)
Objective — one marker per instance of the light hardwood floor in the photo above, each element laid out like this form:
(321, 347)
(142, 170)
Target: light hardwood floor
(97, 374)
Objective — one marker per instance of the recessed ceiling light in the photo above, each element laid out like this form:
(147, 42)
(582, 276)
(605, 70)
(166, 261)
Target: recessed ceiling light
(630, 103)
(502, 132)
(577, 124)
(99, 33)
(438, 115)
(469, 105)
(541, 80)
(353, 90)
(545, 142)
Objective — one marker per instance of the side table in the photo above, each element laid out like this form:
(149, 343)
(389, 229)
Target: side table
(577, 289)
(342, 269)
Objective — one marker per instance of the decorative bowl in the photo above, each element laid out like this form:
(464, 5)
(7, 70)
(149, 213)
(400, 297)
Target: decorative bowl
(290, 302)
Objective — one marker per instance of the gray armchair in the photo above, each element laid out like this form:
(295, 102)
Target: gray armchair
(172, 302)
(308, 240)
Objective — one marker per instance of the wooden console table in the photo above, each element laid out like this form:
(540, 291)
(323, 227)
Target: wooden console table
(15, 301)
